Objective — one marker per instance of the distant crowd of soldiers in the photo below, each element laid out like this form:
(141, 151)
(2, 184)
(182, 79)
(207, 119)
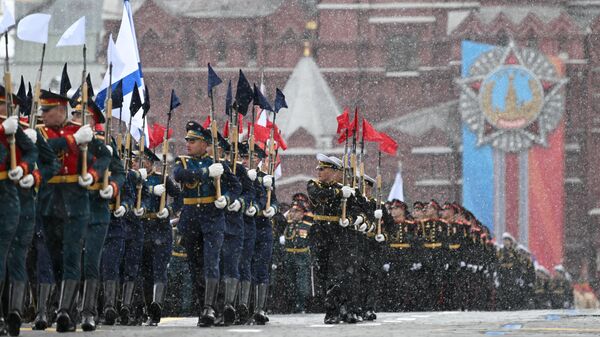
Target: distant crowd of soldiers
(83, 216)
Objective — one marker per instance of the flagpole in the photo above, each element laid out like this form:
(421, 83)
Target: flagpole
(251, 141)
(165, 149)
(9, 104)
(128, 156)
(213, 131)
(353, 156)
(84, 98)
(108, 124)
(138, 203)
(344, 176)
(271, 166)
(379, 192)
(361, 181)
(36, 92)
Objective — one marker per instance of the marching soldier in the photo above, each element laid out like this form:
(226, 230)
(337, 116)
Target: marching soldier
(99, 218)
(258, 202)
(158, 236)
(11, 232)
(64, 201)
(334, 251)
(507, 273)
(263, 247)
(202, 220)
(561, 289)
(296, 261)
(233, 242)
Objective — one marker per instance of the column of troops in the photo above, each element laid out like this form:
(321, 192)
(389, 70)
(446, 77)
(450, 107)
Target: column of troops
(87, 225)
(385, 257)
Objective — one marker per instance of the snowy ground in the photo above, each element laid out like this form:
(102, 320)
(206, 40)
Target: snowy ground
(516, 323)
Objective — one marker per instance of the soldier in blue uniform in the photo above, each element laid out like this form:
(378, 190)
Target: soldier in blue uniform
(10, 229)
(234, 234)
(202, 220)
(158, 236)
(258, 202)
(133, 242)
(263, 249)
(114, 246)
(65, 201)
(95, 234)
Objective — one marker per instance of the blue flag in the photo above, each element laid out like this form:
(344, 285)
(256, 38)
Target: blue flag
(261, 100)
(243, 94)
(279, 100)
(174, 101)
(213, 80)
(136, 101)
(228, 99)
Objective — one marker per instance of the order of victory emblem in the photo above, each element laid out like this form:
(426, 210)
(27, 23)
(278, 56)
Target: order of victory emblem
(512, 98)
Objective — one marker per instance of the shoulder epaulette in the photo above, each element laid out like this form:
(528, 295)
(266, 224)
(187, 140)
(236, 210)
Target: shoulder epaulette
(307, 223)
(42, 130)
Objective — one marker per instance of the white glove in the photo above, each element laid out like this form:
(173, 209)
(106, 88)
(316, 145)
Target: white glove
(446, 266)
(139, 211)
(379, 238)
(119, 212)
(463, 264)
(85, 180)
(221, 202)
(84, 135)
(251, 211)
(32, 134)
(363, 227)
(347, 191)
(282, 240)
(268, 181)
(110, 149)
(16, 173)
(252, 174)
(163, 214)
(235, 206)
(344, 222)
(27, 181)
(11, 124)
(215, 170)
(143, 173)
(107, 192)
(269, 212)
(273, 266)
(378, 214)
(158, 190)
(386, 267)
(359, 220)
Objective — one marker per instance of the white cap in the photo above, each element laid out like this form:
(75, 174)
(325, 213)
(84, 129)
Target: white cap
(506, 235)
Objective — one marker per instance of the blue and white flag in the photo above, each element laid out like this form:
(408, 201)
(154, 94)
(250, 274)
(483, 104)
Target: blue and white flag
(8, 19)
(128, 69)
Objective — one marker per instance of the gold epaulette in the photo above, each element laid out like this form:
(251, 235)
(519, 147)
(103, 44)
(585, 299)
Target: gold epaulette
(42, 130)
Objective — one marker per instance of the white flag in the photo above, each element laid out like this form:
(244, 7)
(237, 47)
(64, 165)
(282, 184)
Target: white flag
(397, 191)
(8, 19)
(74, 35)
(34, 28)
(113, 55)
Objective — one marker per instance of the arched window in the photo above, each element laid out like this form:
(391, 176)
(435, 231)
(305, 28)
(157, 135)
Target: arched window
(502, 38)
(532, 39)
(252, 52)
(221, 50)
(190, 42)
(402, 52)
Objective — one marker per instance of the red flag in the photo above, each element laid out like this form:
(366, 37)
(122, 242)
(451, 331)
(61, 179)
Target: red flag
(369, 132)
(387, 144)
(343, 121)
(240, 126)
(156, 134)
(351, 128)
(279, 139)
(206, 124)
(261, 133)
(226, 129)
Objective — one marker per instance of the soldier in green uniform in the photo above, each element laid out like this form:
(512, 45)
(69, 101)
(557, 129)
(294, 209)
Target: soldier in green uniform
(296, 255)
(65, 199)
(10, 209)
(561, 289)
(542, 295)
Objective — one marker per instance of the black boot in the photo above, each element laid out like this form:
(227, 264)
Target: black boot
(110, 296)
(229, 311)
(3, 331)
(155, 310)
(260, 300)
(41, 317)
(210, 293)
(15, 307)
(126, 311)
(243, 298)
(90, 297)
(332, 306)
(68, 291)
